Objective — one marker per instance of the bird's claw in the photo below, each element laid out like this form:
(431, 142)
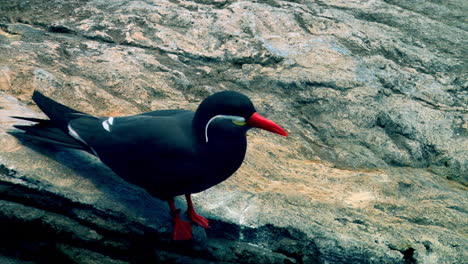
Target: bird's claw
(182, 229)
(198, 219)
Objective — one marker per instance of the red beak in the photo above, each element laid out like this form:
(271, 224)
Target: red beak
(259, 121)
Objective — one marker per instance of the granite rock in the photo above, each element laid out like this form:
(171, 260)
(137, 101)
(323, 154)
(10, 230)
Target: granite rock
(373, 94)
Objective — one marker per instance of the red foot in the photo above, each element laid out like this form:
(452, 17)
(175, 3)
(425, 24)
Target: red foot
(193, 216)
(198, 219)
(182, 229)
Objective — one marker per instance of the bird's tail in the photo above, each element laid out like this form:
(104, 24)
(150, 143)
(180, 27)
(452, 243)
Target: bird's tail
(55, 130)
(59, 114)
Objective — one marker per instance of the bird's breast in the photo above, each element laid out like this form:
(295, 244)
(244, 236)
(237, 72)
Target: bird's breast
(221, 161)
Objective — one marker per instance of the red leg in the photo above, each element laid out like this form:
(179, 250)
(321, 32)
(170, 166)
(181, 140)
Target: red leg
(182, 229)
(193, 216)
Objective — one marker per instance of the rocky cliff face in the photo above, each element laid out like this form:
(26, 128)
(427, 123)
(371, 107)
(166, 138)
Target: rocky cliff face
(373, 93)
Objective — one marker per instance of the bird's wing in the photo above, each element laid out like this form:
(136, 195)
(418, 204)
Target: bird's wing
(169, 112)
(155, 135)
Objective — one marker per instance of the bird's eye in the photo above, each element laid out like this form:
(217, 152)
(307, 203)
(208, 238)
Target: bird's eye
(239, 123)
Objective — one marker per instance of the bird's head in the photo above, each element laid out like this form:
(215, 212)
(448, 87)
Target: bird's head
(234, 111)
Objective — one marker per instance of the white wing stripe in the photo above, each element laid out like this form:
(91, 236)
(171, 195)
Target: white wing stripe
(107, 123)
(75, 135)
(106, 126)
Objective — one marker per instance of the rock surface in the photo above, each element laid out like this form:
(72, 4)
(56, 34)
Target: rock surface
(373, 93)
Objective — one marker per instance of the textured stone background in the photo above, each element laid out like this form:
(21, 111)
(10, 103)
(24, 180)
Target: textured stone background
(373, 93)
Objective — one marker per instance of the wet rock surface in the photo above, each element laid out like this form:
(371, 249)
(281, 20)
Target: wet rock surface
(373, 94)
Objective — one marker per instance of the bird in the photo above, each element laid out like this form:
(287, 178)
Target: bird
(166, 152)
